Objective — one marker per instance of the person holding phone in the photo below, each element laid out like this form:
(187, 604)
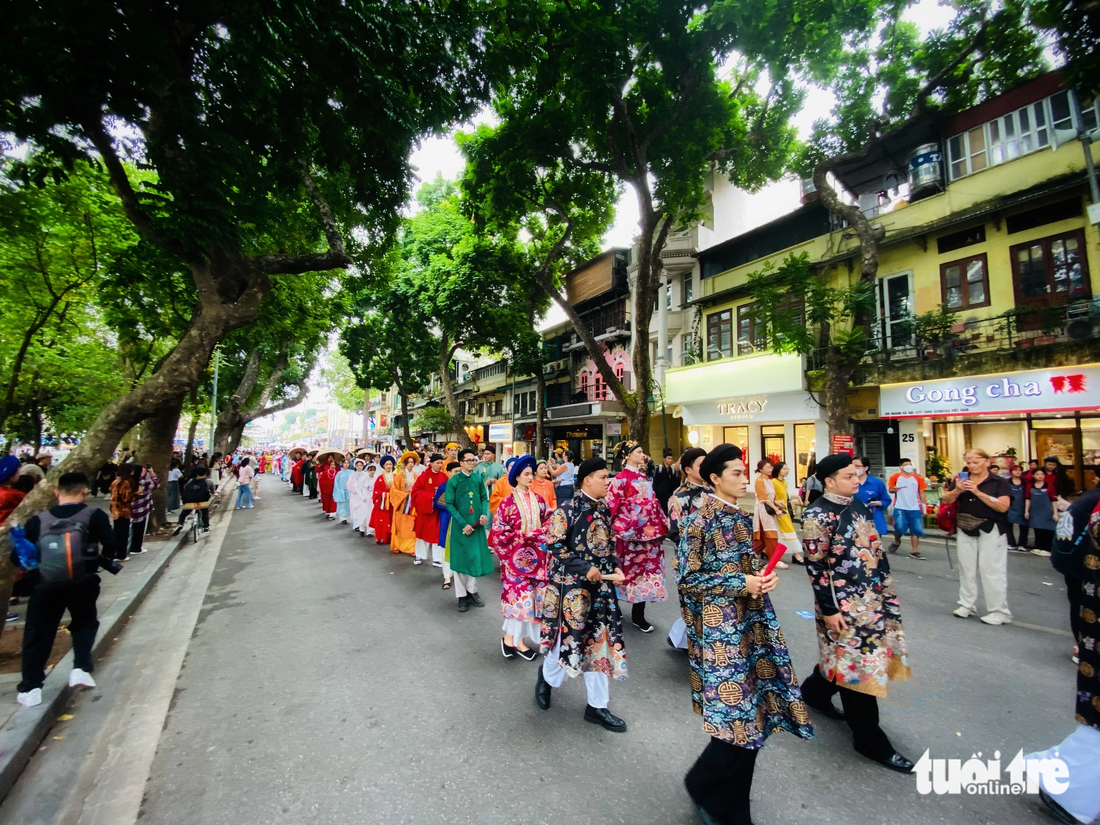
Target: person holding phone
(582, 625)
(982, 519)
(744, 692)
(861, 642)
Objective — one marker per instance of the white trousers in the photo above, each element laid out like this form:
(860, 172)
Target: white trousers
(423, 549)
(597, 685)
(464, 585)
(678, 636)
(522, 630)
(985, 555)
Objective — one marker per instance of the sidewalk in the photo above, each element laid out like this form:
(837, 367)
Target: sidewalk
(22, 729)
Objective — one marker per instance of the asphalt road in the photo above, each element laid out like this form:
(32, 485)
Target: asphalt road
(327, 680)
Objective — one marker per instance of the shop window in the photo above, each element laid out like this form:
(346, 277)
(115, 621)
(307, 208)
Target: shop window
(964, 283)
(1051, 271)
(584, 384)
(805, 447)
(720, 335)
(738, 437)
(688, 286)
(773, 443)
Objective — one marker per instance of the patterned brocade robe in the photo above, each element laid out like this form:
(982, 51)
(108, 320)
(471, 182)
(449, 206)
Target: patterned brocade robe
(639, 526)
(850, 575)
(742, 681)
(585, 613)
(518, 537)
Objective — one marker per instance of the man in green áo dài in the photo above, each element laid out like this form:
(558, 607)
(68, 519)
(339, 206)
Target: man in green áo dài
(467, 500)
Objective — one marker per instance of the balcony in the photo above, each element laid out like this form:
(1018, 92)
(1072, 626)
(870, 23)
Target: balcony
(1022, 338)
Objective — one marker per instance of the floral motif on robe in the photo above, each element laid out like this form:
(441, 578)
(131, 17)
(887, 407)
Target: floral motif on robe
(850, 575)
(742, 681)
(585, 614)
(518, 538)
(639, 526)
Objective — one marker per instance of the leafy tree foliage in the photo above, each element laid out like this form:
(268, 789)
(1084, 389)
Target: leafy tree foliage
(634, 91)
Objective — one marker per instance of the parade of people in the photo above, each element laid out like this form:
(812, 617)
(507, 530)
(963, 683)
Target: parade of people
(745, 356)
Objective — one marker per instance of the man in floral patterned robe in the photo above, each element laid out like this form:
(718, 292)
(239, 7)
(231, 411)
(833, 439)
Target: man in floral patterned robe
(683, 503)
(861, 643)
(742, 681)
(582, 628)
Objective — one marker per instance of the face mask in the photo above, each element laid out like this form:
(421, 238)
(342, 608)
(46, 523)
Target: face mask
(908, 468)
(861, 472)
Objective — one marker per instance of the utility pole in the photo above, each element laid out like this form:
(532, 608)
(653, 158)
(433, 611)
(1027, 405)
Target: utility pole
(1090, 167)
(214, 402)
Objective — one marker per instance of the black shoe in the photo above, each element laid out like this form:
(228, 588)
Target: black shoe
(704, 817)
(896, 762)
(828, 711)
(507, 650)
(475, 600)
(644, 626)
(463, 605)
(893, 548)
(542, 691)
(1056, 810)
(527, 655)
(604, 718)
(176, 532)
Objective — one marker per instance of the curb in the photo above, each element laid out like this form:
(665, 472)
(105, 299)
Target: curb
(24, 732)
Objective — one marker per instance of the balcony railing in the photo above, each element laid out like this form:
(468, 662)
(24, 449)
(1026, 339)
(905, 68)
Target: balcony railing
(1021, 328)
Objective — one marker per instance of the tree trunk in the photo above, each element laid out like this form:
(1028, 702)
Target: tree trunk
(179, 373)
(366, 416)
(540, 414)
(189, 452)
(834, 394)
(404, 412)
(839, 367)
(157, 436)
(447, 351)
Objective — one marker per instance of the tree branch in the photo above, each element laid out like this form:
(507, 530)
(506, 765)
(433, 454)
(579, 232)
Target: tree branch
(328, 222)
(120, 181)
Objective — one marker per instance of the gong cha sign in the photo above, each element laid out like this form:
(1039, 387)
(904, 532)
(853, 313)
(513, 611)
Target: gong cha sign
(1061, 389)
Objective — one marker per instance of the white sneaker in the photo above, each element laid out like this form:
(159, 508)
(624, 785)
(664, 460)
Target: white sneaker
(996, 618)
(418, 562)
(81, 678)
(962, 612)
(30, 698)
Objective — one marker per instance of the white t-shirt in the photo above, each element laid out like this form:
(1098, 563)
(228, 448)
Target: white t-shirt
(908, 492)
(566, 478)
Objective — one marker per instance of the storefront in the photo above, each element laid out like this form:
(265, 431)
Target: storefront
(780, 421)
(1014, 417)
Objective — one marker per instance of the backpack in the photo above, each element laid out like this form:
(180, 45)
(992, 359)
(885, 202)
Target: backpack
(63, 547)
(195, 491)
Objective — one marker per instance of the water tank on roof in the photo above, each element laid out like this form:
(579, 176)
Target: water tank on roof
(809, 191)
(925, 168)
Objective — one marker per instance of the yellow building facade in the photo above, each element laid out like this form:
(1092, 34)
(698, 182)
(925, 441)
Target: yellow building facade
(991, 268)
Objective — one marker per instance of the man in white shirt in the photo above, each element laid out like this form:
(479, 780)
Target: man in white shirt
(909, 502)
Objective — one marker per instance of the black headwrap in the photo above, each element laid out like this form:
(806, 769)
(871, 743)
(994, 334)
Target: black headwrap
(589, 466)
(831, 464)
(435, 457)
(690, 456)
(716, 460)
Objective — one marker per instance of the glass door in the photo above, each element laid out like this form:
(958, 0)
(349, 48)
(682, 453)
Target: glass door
(895, 311)
(805, 448)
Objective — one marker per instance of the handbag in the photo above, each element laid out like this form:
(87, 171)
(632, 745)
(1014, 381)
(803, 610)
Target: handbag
(947, 515)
